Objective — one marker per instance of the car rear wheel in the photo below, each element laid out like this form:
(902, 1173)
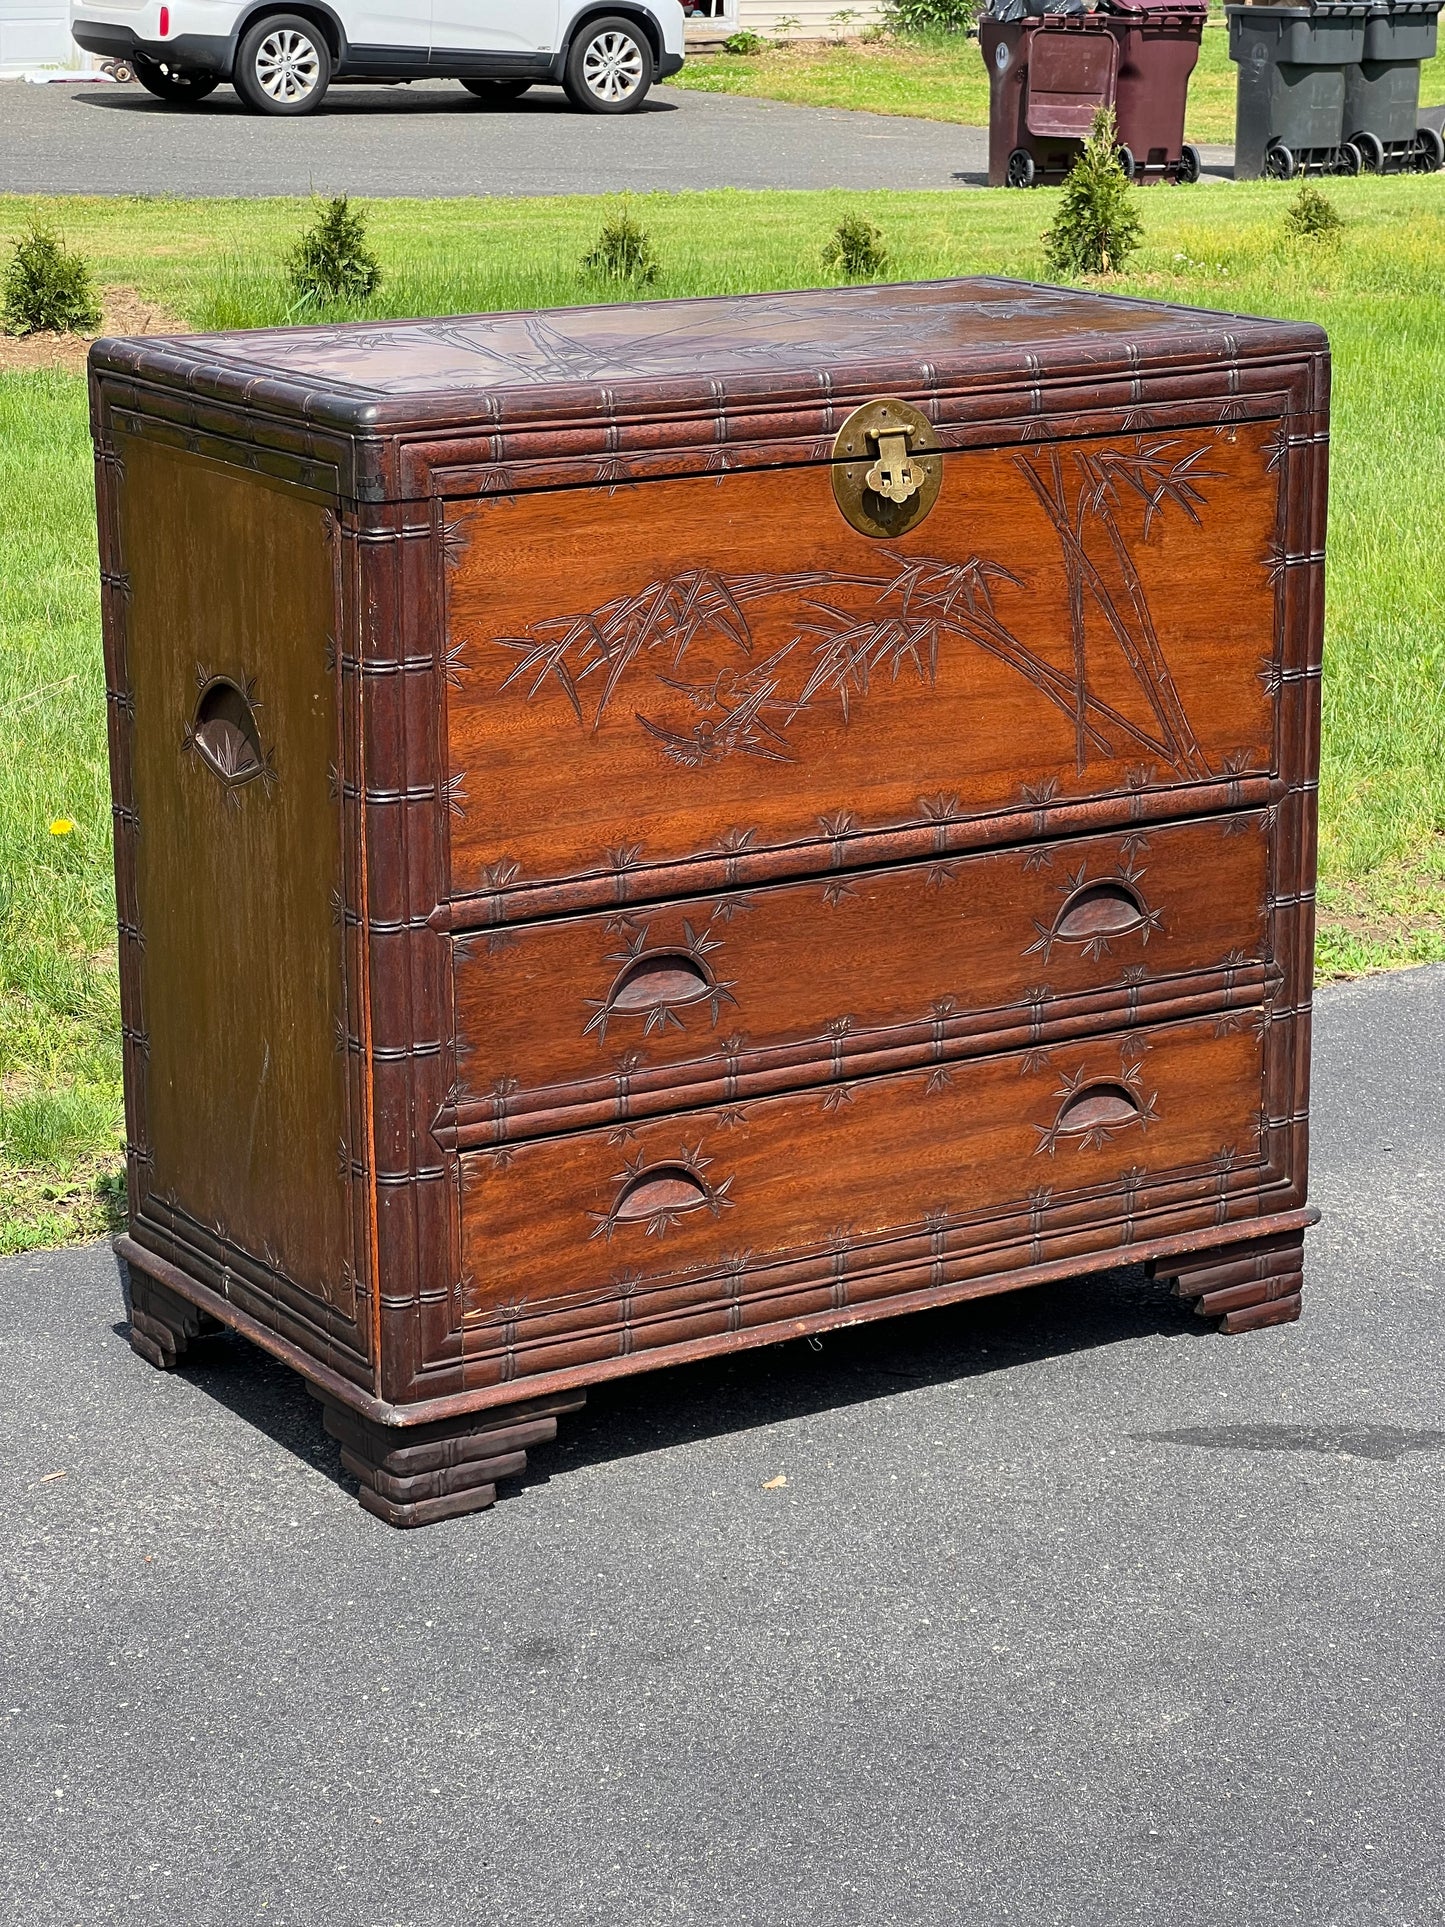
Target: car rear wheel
(174, 84)
(609, 67)
(283, 66)
(496, 93)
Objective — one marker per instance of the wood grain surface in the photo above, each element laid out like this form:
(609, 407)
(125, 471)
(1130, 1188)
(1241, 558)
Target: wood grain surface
(687, 666)
(861, 1162)
(620, 1015)
(239, 978)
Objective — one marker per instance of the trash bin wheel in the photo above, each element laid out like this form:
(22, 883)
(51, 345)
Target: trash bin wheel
(1127, 163)
(1021, 168)
(1372, 151)
(1429, 151)
(1191, 165)
(1349, 160)
(1279, 162)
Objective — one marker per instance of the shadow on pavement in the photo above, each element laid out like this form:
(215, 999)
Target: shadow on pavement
(345, 102)
(1351, 1439)
(684, 1404)
(777, 1383)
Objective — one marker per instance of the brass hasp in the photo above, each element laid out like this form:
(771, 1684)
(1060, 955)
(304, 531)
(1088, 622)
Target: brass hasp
(886, 469)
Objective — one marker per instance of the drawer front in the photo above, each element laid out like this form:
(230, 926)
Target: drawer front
(714, 672)
(1107, 1131)
(565, 1025)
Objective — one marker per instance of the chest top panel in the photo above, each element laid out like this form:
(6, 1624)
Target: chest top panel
(366, 377)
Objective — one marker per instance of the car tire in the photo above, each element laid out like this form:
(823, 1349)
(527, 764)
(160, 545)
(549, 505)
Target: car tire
(497, 93)
(171, 84)
(283, 66)
(609, 67)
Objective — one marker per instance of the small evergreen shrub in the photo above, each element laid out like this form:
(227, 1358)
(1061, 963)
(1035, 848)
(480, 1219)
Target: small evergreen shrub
(744, 43)
(855, 250)
(1311, 216)
(47, 289)
(1098, 225)
(931, 16)
(331, 264)
(623, 251)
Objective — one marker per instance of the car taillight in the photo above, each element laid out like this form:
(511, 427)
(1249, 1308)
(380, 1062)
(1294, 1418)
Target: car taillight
(165, 21)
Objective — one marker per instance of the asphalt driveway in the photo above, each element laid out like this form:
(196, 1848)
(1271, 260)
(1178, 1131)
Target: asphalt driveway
(1068, 1612)
(434, 139)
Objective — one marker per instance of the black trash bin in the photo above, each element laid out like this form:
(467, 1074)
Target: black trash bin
(1382, 90)
(1290, 117)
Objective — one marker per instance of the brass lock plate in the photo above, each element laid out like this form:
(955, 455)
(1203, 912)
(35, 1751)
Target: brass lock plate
(886, 468)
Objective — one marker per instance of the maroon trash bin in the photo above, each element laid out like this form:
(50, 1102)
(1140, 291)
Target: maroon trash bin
(1158, 48)
(1049, 75)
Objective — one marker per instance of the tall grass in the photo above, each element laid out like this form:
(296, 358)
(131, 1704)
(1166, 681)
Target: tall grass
(219, 265)
(59, 1006)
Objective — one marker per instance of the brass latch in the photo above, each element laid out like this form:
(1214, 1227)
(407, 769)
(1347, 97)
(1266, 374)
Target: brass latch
(893, 474)
(886, 469)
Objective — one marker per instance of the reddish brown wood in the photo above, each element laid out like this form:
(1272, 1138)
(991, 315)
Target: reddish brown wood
(801, 983)
(417, 1475)
(584, 905)
(1243, 1289)
(162, 1323)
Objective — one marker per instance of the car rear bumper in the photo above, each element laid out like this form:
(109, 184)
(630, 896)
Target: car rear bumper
(195, 52)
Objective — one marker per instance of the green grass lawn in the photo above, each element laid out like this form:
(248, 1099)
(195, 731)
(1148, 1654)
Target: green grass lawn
(942, 77)
(216, 263)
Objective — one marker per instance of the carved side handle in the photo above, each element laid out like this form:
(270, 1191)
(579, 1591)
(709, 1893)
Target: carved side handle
(224, 735)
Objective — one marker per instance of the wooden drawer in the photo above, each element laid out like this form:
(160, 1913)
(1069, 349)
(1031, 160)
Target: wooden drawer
(1101, 1132)
(598, 1018)
(674, 682)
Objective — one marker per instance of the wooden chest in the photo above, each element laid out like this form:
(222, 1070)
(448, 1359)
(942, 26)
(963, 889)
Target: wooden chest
(645, 831)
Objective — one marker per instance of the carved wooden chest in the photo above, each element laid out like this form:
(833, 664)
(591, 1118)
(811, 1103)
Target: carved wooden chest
(650, 830)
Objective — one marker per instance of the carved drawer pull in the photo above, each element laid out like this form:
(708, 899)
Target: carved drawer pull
(660, 977)
(666, 1188)
(1099, 1107)
(224, 733)
(1095, 915)
(657, 1195)
(1101, 910)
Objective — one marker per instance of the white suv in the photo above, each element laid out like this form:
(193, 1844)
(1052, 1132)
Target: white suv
(281, 58)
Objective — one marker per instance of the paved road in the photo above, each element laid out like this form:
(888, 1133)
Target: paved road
(1067, 1613)
(435, 139)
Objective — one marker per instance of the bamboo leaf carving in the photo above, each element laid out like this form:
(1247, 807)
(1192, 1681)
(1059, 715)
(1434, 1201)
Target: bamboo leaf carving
(921, 606)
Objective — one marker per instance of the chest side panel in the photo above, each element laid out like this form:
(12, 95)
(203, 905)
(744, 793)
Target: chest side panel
(692, 667)
(240, 966)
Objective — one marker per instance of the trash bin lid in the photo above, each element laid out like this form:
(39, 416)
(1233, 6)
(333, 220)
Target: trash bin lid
(1071, 76)
(1193, 9)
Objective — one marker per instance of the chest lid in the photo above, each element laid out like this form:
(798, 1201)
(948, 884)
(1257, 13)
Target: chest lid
(679, 372)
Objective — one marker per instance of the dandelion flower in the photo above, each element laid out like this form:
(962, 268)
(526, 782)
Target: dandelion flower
(61, 826)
